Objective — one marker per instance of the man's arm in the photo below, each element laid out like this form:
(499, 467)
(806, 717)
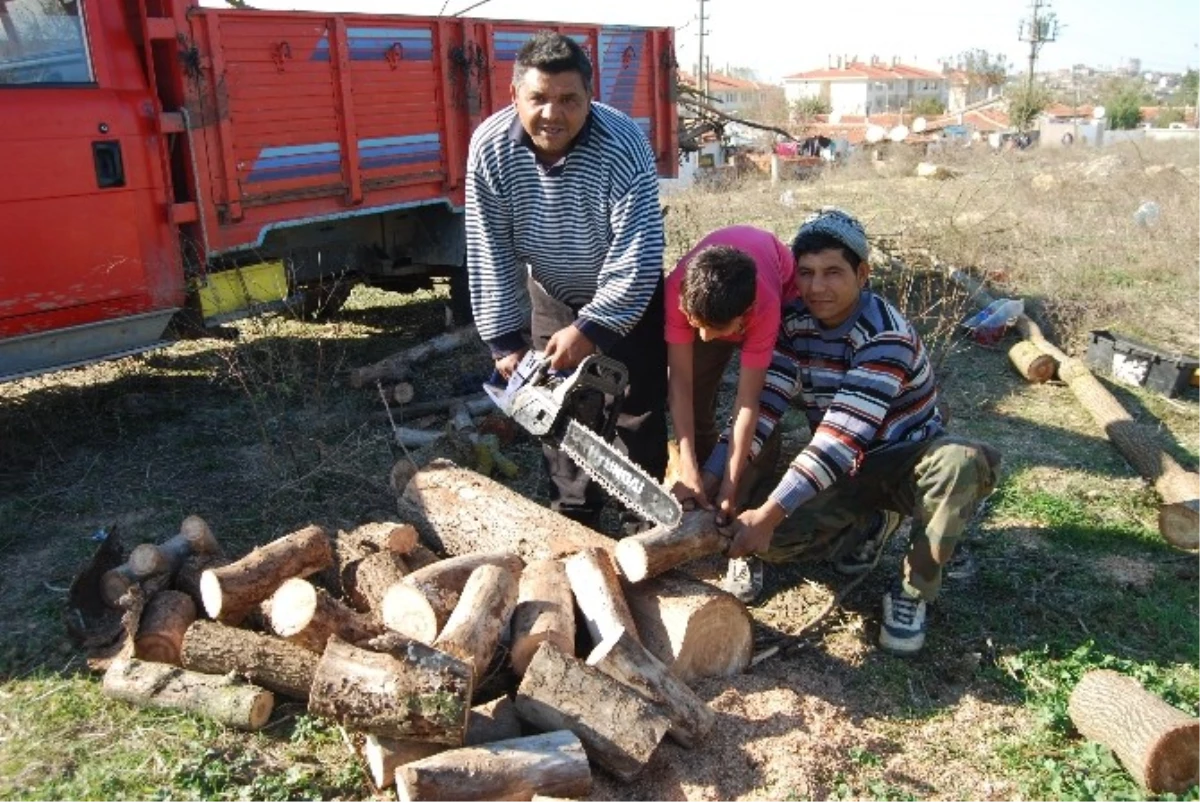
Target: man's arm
(492, 263)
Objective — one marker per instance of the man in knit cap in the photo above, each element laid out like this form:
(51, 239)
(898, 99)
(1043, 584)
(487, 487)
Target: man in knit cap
(878, 451)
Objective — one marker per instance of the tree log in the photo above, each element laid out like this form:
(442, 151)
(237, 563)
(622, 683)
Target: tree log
(619, 729)
(553, 763)
(628, 662)
(415, 694)
(493, 721)
(1158, 744)
(459, 511)
(409, 437)
(1034, 364)
(214, 648)
(188, 578)
(401, 393)
(157, 685)
(662, 548)
(351, 548)
(599, 595)
(398, 366)
(545, 611)
(164, 621)
(307, 616)
(419, 605)
(157, 564)
(233, 590)
(696, 630)
(367, 581)
(420, 557)
(480, 617)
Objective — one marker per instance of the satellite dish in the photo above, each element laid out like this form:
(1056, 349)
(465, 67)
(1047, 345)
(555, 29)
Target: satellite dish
(835, 118)
(875, 133)
(919, 125)
(899, 133)
(1099, 112)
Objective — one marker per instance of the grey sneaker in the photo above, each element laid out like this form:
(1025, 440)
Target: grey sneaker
(903, 629)
(744, 579)
(863, 558)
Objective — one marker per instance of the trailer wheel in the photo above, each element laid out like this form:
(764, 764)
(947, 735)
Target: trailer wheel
(460, 298)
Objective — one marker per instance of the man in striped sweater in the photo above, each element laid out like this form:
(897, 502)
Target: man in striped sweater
(878, 450)
(562, 212)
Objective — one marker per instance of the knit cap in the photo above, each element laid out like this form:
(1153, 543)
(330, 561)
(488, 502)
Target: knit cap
(840, 225)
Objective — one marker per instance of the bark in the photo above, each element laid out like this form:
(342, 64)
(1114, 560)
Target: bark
(1158, 744)
(156, 685)
(155, 565)
(351, 548)
(367, 580)
(545, 611)
(481, 616)
(493, 721)
(398, 366)
(598, 593)
(164, 621)
(663, 548)
(230, 592)
(1032, 363)
(214, 648)
(307, 616)
(419, 605)
(188, 578)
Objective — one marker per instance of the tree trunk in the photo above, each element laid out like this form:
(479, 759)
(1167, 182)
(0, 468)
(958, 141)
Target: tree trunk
(156, 685)
(480, 617)
(188, 578)
(213, 648)
(552, 763)
(493, 721)
(599, 595)
(628, 662)
(419, 605)
(398, 366)
(164, 621)
(662, 548)
(233, 590)
(696, 630)
(1158, 744)
(545, 612)
(1031, 362)
(415, 694)
(307, 616)
(459, 511)
(619, 729)
(366, 581)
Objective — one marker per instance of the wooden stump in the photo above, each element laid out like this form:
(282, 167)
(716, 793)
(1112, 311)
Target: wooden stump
(1031, 362)
(550, 763)
(419, 605)
(214, 648)
(628, 662)
(165, 619)
(662, 548)
(157, 685)
(418, 694)
(480, 617)
(619, 728)
(308, 616)
(366, 581)
(545, 611)
(1158, 744)
(233, 590)
(599, 595)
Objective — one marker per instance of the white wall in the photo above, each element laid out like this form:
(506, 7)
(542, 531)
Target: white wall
(848, 97)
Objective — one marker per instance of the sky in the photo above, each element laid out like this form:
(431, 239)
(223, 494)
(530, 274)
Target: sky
(775, 38)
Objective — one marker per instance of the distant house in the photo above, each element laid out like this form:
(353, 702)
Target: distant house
(964, 90)
(737, 96)
(854, 87)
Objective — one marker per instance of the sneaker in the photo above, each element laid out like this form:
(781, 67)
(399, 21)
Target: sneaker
(744, 579)
(864, 557)
(903, 629)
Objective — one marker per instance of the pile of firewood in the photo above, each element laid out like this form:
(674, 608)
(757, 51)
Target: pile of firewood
(448, 641)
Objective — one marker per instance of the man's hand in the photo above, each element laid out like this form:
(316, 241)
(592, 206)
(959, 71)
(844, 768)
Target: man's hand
(754, 528)
(726, 501)
(567, 347)
(505, 365)
(691, 489)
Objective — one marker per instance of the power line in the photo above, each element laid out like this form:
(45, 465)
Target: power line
(1039, 29)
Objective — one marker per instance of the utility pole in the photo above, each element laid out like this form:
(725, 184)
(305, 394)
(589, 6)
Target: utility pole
(701, 68)
(1041, 27)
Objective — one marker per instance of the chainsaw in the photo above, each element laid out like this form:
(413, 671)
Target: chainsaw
(577, 413)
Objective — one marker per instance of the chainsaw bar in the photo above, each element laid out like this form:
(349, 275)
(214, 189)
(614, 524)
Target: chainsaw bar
(620, 476)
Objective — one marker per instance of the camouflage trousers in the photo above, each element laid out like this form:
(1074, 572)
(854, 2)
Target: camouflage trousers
(939, 482)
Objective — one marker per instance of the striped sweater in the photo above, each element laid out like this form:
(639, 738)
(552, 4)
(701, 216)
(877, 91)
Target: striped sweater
(588, 228)
(865, 384)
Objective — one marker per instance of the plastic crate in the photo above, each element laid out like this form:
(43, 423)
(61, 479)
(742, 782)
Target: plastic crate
(1139, 365)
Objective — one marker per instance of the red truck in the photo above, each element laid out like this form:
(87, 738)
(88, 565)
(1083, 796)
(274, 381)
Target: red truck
(166, 162)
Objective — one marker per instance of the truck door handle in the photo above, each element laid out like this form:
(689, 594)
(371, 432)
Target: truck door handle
(110, 168)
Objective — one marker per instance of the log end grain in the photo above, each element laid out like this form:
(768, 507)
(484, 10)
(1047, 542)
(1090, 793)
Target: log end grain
(1179, 524)
(210, 594)
(631, 557)
(1174, 764)
(406, 610)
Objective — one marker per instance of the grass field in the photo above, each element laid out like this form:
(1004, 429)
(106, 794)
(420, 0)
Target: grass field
(1063, 570)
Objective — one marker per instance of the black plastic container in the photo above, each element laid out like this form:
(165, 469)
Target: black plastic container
(1132, 362)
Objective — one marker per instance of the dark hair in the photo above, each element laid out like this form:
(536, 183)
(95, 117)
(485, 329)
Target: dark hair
(551, 52)
(817, 241)
(719, 284)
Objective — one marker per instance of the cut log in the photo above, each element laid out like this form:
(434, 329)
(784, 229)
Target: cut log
(402, 393)
(1034, 364)
(157, 564)
(628, 662)
(1158, 744)
(552, 763)
(233, 590)
(307, 616)
(146, 571)
(420, 557)
(164, 621)
(367, 580)
(351, 548)
(545, 611)
(415, 694)
(409, 437)
(476, 404)
(493, 721)
(214, 648)
(188, 578)
(663, 548)
(398, 366)
(598, 593)
(696, 630)
(148, 684)
(619, 728)
(419, 605)
(459, 511)
(480, 617)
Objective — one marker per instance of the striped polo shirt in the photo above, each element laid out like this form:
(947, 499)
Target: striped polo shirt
(865, 384)
(588, 228)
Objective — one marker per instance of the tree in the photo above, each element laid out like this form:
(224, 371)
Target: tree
(1123, 100)
(1168, 116)
(1025, 104)
(1185, 95)
(928, 107)
(982, 68)
(808, 107)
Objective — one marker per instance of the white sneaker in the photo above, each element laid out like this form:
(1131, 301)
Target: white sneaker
(903, 629)
(744, 579)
